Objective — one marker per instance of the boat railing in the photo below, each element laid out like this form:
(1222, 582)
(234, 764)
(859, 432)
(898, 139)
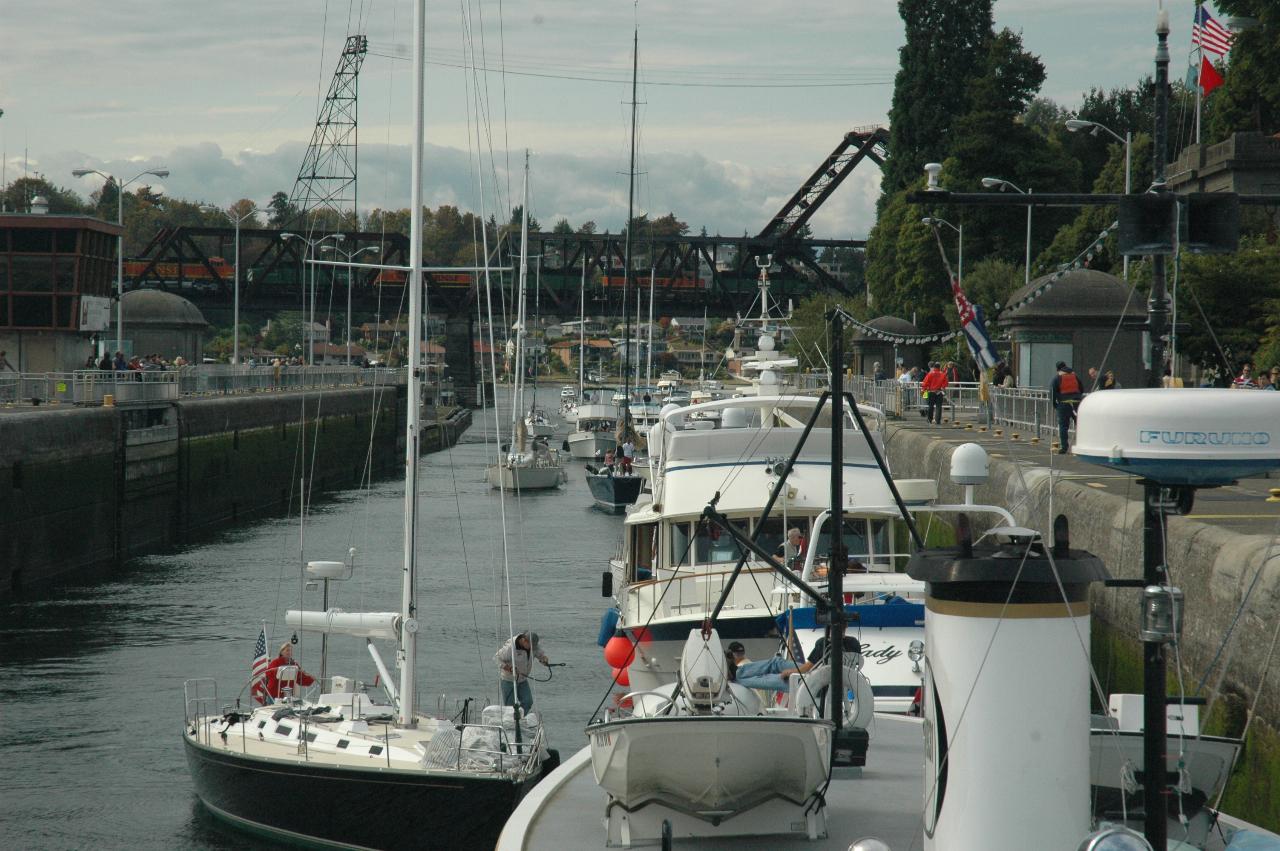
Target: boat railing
(200, 700)
(507, 756)
(697, 591)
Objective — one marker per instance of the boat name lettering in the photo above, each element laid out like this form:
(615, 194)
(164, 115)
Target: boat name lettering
(885, 654)
(1204, 438)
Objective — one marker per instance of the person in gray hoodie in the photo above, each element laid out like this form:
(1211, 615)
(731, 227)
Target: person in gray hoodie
(515, 660)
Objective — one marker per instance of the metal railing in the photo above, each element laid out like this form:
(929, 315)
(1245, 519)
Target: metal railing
(91, 386)
(1025, 409)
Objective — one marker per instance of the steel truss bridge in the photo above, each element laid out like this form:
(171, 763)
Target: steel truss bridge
(692, 272)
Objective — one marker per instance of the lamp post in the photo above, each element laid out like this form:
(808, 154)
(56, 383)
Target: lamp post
(1077, 124)
(350, 255)
(235, 320)
(311, 323)
(161, 173)
(934, 220)
(994, 182)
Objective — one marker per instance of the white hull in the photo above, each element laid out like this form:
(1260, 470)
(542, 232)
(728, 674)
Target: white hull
(540, 428)
(524, 478)
(590, 444)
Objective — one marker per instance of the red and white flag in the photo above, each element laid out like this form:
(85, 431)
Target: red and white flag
(1209, 35)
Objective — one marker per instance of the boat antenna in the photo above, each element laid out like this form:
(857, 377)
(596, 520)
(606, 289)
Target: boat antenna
(626, 251)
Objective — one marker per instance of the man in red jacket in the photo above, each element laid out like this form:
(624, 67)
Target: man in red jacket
(933, 386)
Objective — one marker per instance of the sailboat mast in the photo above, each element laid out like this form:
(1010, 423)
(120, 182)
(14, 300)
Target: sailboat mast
(582, 325)
(407, 657)
(517, 404)
(648, 364)
(626, 252)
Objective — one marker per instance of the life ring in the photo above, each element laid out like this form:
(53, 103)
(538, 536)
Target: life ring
(808, 693)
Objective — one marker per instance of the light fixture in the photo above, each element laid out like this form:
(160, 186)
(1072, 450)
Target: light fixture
(915, 652)
(933, 170)
(993, 182)
(1161, 613)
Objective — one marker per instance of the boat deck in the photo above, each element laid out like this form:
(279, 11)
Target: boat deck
(566, 810)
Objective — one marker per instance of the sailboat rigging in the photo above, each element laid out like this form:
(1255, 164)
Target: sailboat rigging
(342, 765)
(613, 490)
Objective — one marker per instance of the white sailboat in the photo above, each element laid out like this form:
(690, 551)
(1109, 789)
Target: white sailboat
(529, 463)
(353, 765)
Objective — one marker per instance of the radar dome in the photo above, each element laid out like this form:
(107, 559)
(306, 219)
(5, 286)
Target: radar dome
(969, 464)
(1188, 436)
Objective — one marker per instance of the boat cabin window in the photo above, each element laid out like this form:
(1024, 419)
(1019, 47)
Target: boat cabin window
(643, 543)
(774, 531)
(678, 535)
(712, 545)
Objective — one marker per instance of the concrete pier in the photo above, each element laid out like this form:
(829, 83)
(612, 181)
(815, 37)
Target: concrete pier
(1214, 554)
(83, 488)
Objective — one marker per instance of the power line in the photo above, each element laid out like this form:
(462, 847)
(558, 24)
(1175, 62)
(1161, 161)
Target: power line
(670, 83)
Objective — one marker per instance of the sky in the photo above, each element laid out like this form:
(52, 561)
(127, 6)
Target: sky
(739, 101)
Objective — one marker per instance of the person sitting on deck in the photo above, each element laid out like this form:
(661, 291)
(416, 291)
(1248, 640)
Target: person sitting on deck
(284, 659)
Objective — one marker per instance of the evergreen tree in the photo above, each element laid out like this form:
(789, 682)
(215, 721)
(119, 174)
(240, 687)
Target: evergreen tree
(945, 42)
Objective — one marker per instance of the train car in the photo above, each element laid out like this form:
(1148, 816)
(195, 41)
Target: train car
(195, 275)
(679, 282)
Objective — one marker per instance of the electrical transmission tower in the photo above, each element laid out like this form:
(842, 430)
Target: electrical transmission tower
(327, 179)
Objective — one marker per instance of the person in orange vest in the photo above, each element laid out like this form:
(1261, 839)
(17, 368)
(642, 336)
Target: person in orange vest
(1065, 393)
(933, 386)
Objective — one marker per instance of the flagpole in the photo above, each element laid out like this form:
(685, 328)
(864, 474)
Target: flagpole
(1199, 72)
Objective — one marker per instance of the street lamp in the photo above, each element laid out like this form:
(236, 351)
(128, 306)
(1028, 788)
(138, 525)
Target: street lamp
(995, 182)
(235, 321)
(161, 173)
(934, 220)
(1077, 124)
(349, 255)
(311, 325)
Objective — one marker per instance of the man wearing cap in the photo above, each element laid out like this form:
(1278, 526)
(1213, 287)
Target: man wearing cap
(1065, 394)
(515, 660)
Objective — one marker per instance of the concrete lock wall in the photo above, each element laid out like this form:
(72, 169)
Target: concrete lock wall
(1213, 566)
(59, 501)
(80, 490)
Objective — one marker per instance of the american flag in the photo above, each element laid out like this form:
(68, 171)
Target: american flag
(1209, 35)
(259, 666)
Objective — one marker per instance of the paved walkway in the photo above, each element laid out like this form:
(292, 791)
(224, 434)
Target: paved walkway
(1242, 506)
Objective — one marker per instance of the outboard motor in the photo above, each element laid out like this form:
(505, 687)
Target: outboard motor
(703, 670)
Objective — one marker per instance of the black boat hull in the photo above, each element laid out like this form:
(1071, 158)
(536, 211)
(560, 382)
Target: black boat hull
(614, 493)
(333, 807)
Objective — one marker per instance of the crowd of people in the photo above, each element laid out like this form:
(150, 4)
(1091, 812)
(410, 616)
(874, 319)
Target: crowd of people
(1264, 380)
(137, 363)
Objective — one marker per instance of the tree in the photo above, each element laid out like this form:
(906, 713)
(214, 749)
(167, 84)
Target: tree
(282, 212)
(990, 282)
(945, 41)
(1249, 98)
(587, 227)
(18, 194)
(810, 338)
(562, 226)
(517, 214)
(1245, 329)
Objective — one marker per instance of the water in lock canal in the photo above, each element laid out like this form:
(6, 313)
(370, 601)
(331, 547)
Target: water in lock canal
(91, 676)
